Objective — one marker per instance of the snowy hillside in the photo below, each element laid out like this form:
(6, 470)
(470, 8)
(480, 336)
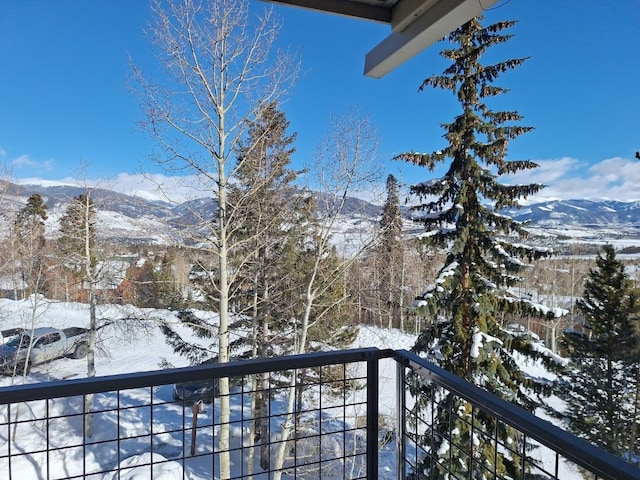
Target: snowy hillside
(141, 217)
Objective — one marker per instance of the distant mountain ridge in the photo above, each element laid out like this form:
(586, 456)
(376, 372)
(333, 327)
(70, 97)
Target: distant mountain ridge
(578, 212)
(123, 217)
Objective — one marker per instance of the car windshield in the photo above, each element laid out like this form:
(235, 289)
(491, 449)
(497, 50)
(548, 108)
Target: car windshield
(18, 341)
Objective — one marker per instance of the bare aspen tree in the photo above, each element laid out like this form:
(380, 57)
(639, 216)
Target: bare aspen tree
(77, 244)
(91, 275)
(346, 163)
(9, 257)
(221, 70)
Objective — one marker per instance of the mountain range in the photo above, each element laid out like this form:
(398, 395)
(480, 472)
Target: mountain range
(126, 218)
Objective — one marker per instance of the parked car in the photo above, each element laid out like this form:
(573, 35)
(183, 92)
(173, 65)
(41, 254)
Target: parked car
(26, 347)
(204, 390)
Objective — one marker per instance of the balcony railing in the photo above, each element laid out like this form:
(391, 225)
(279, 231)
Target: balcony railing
(346, 414)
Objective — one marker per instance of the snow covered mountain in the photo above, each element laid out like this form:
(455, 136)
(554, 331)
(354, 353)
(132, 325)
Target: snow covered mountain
(128, 218)
(579, 212)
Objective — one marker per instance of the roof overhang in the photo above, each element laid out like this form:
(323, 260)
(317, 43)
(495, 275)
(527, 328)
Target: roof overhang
(415, 24)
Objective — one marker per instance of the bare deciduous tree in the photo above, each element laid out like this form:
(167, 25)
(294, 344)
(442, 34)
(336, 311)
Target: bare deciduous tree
(221, 72)
(78, 243)
(346, 163)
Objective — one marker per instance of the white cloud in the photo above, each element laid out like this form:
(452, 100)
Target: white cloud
(22, 161)
(568, 178)
(25, 161)
(548, 171)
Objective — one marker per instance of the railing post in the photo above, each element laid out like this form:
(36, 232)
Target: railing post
(372, 419)
(401, 421)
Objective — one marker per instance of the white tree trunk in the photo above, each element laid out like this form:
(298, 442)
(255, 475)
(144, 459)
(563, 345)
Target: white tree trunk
(91, 278)
(223, 332)
(403, 279)
(91, 362)
(223, 63)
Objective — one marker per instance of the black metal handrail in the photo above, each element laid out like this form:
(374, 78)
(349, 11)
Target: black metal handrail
(588, 456)
(84, 386)
(18, 394)
(593, 459)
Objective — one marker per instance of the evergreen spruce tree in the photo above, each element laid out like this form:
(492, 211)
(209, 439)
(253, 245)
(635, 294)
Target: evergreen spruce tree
(33, 215)
(461, 213)
(76, 233)
(28, 232)
(267, 211)
(274, 232)
(264, 205)
(267, 214)
(390, 255)
(601, 381)
(391, 219)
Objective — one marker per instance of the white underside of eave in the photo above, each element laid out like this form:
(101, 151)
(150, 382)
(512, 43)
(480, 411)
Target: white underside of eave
(432, 25)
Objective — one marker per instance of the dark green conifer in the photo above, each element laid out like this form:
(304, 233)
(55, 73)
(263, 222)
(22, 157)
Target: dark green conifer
(472, 294)
(78, 232)
(31, 218)
(30, 242)
(600, 389)
(391, 219)
(266, 214)
(390, 256)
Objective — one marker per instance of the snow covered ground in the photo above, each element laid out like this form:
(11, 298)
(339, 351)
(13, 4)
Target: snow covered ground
(125, 351)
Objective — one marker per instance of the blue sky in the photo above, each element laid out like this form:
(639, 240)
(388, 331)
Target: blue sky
(64, 97)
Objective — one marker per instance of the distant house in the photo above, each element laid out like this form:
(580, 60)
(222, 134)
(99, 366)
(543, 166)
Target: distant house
(111, 273)
(112, 279)
(13, 286)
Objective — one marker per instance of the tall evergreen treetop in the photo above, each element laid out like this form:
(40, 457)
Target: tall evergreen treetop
(462, 209)
(391, 219)
(461, 213)
(264, 160)
(31, 217)
(390, 258)
(28, 232)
